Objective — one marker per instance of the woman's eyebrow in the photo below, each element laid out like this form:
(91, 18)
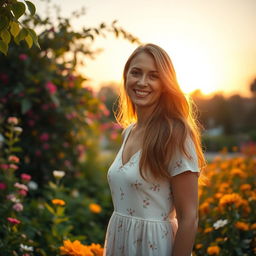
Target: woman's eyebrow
(151, 71)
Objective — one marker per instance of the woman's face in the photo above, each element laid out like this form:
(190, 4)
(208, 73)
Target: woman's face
(143, 83)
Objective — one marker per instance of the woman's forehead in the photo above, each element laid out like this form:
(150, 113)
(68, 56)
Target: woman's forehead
(143, 60)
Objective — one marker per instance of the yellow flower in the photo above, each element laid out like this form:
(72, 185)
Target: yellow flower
(242, 225)
(213, 250)
(58, 202)
(96, 249)
(95, 208)
(75, 249)
(219, 239)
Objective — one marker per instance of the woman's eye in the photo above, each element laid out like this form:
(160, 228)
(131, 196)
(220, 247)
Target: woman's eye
(135, 72)
(154, 77)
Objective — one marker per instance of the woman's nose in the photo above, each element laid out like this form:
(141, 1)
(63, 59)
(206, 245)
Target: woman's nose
(143, 81)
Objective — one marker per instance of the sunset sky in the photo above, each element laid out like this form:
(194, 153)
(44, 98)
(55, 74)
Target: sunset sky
(212, 43)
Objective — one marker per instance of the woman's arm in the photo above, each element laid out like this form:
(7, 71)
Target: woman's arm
(185, 197)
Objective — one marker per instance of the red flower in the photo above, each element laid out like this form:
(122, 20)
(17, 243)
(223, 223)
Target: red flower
(23, 56)
(25, 177)
(44, 136)
(13, 220)
(51, 87)
(2, 186)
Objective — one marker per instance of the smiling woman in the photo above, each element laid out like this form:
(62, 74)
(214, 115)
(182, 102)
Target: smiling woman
(154, 177)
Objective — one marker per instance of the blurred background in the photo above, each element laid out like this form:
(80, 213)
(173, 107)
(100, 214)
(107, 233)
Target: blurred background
(57, 103)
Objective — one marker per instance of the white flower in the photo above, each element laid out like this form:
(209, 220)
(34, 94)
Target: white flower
(18, 129)
(26, 248)
(32, 185)
(58, 174)
(220, 223)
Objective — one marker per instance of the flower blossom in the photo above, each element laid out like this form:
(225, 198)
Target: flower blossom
(26, 248)
(58, 174)
(58, 202)
(95, 208)
(25, 177)
(21, 186)
(12, 120)
(51, 87)
(18, 207)
(2, 186)
(220, 223)
(14, 159)
(13, 220)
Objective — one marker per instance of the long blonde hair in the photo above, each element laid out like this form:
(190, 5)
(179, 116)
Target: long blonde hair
(171, 122)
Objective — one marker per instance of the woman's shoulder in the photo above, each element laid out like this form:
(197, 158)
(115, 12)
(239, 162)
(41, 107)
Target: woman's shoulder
(127, 129)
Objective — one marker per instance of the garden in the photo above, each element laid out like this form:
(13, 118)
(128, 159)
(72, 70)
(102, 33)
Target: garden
(54, 194)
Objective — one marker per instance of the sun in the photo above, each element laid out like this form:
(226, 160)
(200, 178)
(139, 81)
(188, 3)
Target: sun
(195, 70)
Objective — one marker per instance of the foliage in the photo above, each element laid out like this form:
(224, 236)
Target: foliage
(11, 27)
(228, 207)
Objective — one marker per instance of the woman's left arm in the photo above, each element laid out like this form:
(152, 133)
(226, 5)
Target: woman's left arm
(185, 198)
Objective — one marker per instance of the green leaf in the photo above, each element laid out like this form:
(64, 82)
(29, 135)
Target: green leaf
(18, 9)
(49, 208)
(5, 35)
(21, 36)
(29, 40)
(34, 37)
(3, 47)
(16, 149)
(4, 22)
(31, 7)
(25, 105)
(15, 28)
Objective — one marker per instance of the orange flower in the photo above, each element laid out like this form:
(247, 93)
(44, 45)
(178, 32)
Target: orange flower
(204, 208)
(242, 225)
(238, 172)
(199, 246)
(245, 187)
(208, 230)
(253, 226)
(95, 208)
(75, 249)
(213, 250)
(58, 202)
(96, 249)
(229, 199)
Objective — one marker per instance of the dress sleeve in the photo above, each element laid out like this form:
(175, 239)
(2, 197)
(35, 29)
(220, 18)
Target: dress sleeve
(181, 163)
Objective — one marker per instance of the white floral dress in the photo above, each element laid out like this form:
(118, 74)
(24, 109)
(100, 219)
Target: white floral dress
(143, 222)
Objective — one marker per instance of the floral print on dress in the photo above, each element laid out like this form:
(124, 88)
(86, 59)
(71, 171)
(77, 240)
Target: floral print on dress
(146, 202)
(130, 211)
(165, 232)
(152, 246)
(136, 185)
(155, 187)
(121, 194)
(178, 164)
(165, 216)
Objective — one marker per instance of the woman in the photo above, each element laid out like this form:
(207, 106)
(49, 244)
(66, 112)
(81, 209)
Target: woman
(154, 177)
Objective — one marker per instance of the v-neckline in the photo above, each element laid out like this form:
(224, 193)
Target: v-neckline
(123, 146)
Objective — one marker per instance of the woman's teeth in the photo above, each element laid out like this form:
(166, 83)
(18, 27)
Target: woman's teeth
(141, 93)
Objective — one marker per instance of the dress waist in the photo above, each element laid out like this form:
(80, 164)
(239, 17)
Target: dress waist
(170, 220)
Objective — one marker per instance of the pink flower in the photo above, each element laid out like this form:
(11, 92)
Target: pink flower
(13, 220)
(23, 192)
(23, 56)
(18, 207)
(2, 186)
(44, 136)
(12, 120)
(51, 87)
(20, 186)
(25, 177)
(13, 166)
(4, 166)
(114, 135)
(12, 198)
(45, 106)
(38, 152)
(26, 254)
(14, 159)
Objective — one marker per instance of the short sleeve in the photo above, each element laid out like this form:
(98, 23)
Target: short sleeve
(181, 163)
